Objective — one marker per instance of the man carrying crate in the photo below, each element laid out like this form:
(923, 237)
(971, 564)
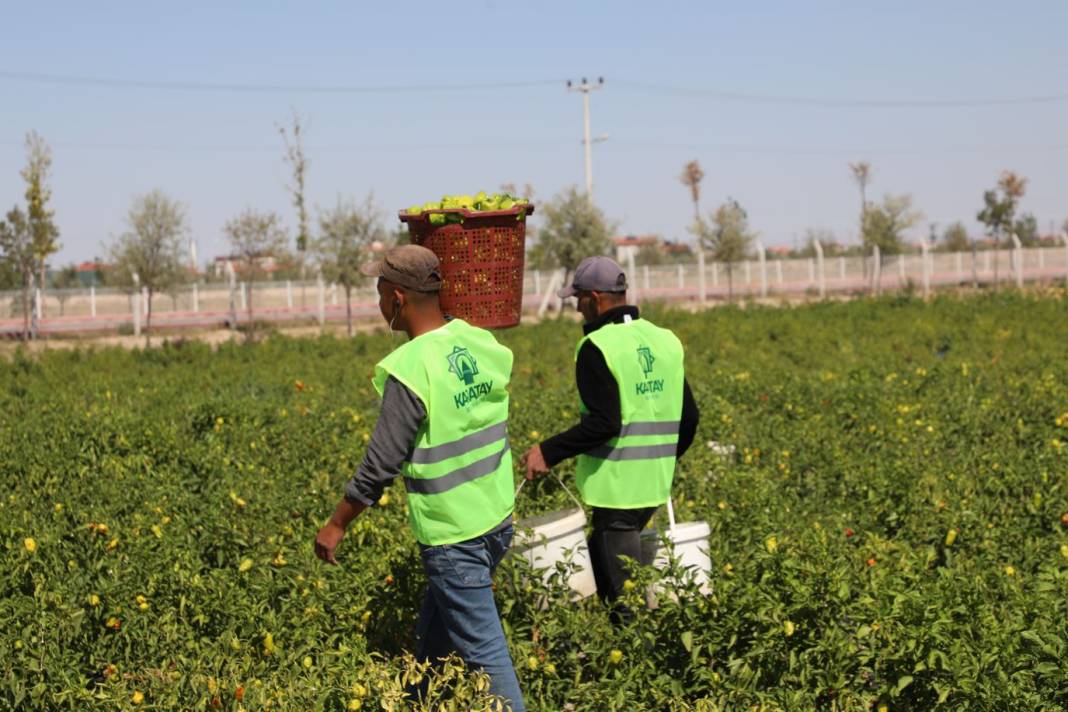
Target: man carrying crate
(638, 416)
(443, 426)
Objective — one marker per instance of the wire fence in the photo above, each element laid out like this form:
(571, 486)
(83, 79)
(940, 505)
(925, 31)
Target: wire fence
(214, 305)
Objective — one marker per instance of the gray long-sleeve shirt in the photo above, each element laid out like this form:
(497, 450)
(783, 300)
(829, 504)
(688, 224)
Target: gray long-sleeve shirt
(390, 445)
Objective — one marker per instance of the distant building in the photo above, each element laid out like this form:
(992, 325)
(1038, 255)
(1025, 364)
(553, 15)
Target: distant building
(628, 246)
(92, 273)
(266, 264)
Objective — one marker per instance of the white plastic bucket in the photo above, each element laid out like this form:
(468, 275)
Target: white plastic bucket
(544, 540)
(690, 541)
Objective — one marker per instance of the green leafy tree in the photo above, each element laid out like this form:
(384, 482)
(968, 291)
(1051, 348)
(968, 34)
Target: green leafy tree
(254, 236)
(999, 209)
(41, 219)
(19, 258)
(64, 281)
(727, 236)
(572, 230)
(1026, 229)
(348, 233)
(955, 238)
(884, 224)
(151, 247)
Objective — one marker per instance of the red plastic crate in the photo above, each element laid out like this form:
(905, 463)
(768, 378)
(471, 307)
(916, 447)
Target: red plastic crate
(481, 262)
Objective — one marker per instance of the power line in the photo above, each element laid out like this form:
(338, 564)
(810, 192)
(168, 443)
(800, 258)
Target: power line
(255, 148)
(694, 92)
(842, 151)
(752, 98)
(114, 83)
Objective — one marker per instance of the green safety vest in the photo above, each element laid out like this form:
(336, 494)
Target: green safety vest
(635, 469)
(459, 475)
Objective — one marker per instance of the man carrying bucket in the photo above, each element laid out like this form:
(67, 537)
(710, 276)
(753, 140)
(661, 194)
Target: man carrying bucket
(443, 426)
(638, 416)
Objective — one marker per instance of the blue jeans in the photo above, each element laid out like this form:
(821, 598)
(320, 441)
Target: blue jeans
(459, 614)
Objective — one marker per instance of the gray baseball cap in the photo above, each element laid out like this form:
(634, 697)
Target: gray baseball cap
(596, 274)
(411, 266)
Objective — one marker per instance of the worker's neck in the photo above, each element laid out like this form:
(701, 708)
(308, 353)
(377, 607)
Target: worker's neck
(420, 323)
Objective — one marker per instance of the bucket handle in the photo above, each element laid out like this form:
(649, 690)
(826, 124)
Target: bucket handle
(569, 493)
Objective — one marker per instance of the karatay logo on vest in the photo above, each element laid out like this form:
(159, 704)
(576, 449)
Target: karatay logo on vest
(646, 360)
(463, 364)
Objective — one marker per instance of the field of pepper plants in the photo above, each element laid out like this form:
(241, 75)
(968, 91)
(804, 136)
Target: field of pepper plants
(890, 533)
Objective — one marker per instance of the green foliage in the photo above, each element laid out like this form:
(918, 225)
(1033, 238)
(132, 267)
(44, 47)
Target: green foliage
(572, 229)
(885, 223)
(44, 234)
(151, 247)
(955, 238)
(17, 259)
(726, 236)
(1026, 230)
(346, 236)
(172, 496)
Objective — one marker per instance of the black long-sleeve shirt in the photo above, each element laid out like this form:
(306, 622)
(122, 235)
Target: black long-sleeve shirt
(600, 392)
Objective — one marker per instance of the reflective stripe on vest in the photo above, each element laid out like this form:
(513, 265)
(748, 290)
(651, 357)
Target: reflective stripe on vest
(635, 469)
(459, 474)
(455, 478)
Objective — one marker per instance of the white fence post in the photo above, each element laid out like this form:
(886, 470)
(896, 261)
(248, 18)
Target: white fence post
(762, 256)
(321, 291)
(92, 301)
(1064, 238)
(877, 270)
(632, 276)
(196, 297)
(702, 293)
(924, 248)
(289, 293)
(1017, 260)
(819, 268)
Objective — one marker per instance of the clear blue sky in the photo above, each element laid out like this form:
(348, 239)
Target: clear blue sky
(219, 151)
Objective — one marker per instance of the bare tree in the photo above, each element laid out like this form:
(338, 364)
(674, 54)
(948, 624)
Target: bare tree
(691, 177)
(253, 237)
(347, 234)
(151, 247)
(297, 160)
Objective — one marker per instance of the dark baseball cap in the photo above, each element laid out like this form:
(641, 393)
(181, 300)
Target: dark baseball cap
(596, 274)
(411, 266)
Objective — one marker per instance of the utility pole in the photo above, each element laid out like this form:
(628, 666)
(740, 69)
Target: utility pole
(586, 87)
